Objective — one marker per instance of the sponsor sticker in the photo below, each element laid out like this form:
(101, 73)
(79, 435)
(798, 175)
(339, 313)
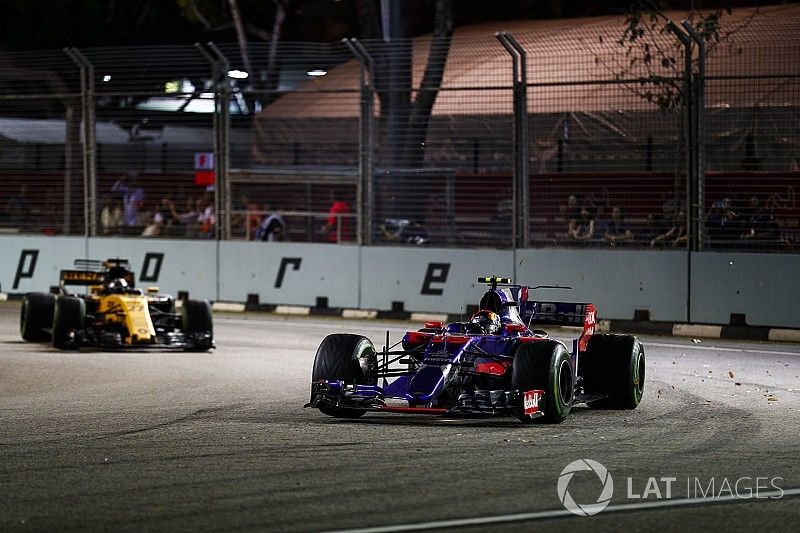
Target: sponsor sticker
(442, 357)
(530, 401)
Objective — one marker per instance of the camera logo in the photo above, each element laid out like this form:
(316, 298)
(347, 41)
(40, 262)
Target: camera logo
(587, 509)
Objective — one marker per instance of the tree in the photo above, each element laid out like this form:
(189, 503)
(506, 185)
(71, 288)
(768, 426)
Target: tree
(405, 119)
(210, 16)
(653, 53)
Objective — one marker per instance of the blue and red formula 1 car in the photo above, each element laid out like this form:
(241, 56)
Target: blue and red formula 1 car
(493, 364)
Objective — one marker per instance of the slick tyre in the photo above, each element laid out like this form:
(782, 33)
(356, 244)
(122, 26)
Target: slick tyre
(198, 325)
(546, 366)
(36, 315)
(347, 358)
(69, 318)
(614, 366)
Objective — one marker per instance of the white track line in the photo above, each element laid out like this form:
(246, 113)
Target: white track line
(561, 513)
(708, 347)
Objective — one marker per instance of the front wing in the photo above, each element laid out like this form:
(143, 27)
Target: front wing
(476, 403)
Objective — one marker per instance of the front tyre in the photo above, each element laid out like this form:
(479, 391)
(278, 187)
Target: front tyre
(198, 325)
(36, 315)
(348, 358)
(69, 319)
(614, 366)
(545, 365)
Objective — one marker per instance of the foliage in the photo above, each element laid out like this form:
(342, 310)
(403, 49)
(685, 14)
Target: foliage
(653, 65)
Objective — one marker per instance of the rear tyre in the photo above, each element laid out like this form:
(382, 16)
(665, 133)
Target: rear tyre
(69, 318)
(36, 315)
(198, 326)
(347, 358)
(614, 366)
(546, 366)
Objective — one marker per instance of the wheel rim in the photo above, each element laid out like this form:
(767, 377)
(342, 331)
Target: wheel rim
(639, 373)
(565, 382)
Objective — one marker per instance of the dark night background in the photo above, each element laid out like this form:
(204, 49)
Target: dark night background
(48, 24)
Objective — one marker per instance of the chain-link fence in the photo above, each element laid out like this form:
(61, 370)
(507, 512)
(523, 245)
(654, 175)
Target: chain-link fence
(550, 134)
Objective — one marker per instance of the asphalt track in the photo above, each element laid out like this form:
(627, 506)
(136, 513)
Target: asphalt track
(214, 441)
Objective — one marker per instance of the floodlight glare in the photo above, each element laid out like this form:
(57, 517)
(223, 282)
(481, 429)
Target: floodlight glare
(238, 74)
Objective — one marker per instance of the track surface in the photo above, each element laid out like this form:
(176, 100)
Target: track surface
(219, 441)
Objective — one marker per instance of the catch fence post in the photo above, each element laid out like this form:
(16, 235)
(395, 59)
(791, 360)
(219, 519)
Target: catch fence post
(520, 187)
(365, 184)
(89, 147)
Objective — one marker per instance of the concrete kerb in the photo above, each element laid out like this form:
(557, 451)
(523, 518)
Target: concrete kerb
(674, 329)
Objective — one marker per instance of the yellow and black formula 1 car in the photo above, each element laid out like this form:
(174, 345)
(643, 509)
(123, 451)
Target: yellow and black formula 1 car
(113, 313)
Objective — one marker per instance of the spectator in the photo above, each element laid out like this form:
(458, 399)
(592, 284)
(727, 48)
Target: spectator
(272, 228)
(166, 216)
(337, 228)
(132, 198)
(190, 214)
(572, 213)
(206, 218)
(402, 230)
(246, 217)
(650, 228)
(617, 230)
(156, 226)
(676, 235)
(585, 229)
(722, 223)
(762, 225)
(111, 217)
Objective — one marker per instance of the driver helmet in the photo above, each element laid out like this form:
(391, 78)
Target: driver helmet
(488, 321)
(118, 285)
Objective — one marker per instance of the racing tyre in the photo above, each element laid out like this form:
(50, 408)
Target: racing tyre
(348, 358)
(69, 318)
(36, 315)
(546, 366)
(198, 326)
(614, 366)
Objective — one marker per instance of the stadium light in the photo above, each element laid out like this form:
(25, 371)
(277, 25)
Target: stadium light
(317, 73)
(238, 74)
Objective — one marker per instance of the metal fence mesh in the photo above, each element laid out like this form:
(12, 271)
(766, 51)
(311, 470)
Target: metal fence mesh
(753, 139)
(416, 143)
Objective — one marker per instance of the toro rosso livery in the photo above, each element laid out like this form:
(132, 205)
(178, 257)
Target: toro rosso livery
(113, 313)
(493, 364)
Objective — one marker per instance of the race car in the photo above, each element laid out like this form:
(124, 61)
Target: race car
(113, 313)
(492, 364)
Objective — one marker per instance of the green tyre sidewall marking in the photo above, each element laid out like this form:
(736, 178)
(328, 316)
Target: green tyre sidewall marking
(636, 373)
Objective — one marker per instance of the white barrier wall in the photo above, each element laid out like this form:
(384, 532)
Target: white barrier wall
(289, 273)
(761, 287)
(617, 281)
(170, 265)
(428, 279)
(32, 264)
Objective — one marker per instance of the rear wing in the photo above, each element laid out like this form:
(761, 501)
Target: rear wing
(580, 315)
(94, 272)
(81, 277)
(554, 313)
